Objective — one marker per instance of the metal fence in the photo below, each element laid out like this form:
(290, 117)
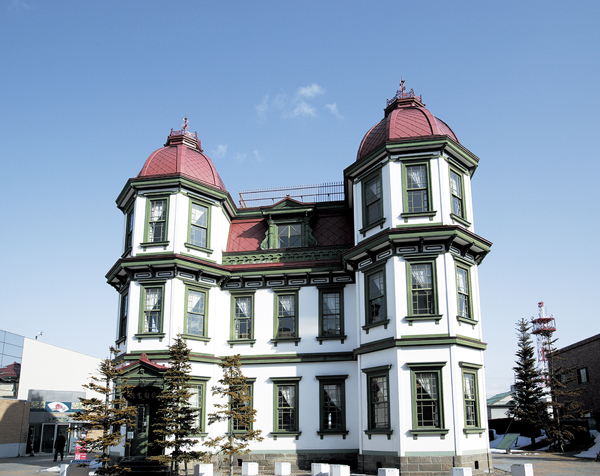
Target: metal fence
(323, 192)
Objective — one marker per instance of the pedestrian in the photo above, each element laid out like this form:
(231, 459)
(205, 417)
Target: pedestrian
(59, 446)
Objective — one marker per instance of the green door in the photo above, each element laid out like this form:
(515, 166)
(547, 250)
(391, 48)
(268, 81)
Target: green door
(139, 443)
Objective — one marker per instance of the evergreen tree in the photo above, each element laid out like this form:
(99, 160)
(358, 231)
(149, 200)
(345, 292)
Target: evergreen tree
(176, 419)
(565, 405)
(107, 415)
(528, 403)
(238, 412)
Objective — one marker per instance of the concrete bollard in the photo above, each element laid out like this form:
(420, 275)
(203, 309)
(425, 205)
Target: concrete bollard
(461, 471)
(388, 472)
(319, 469)
(249, 469)
(203, 470)
(283, 469)
(521, 469)
(339, 470)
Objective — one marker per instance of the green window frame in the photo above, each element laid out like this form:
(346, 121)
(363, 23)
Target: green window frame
(286, 316)
(416, 190)
(286, 406)
(198, 401)
(331, 314)
(422, 288)
(196, 313)
(464, 296)
(156, 230)
(237, 426)
(471, 407)
(378, 401)
(242, 318)
(332, 405)
(372, 201)
(151, 321)
(457, 194)
(128, 232)
(199, 219)
(375, 299)
(123, 313)
(289, 235)
(427, 399)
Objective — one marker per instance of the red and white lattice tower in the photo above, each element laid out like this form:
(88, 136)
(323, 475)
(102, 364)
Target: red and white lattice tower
(543, 328)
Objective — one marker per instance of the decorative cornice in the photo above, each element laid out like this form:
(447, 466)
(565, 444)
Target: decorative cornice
(287, 256)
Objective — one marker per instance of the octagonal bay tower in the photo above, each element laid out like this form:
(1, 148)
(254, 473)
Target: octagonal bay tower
(354, 306)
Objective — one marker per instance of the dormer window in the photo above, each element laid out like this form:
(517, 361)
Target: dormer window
(289, 236)
(288, 225)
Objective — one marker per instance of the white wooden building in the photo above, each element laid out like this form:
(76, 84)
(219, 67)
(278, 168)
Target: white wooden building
(355, 307)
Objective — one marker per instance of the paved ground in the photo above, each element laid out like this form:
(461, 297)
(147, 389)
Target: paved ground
(544, 464)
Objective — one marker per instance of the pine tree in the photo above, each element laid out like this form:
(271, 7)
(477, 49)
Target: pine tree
(238, 412)
(528, 403)
(176, 419)
(565, 404)
(107, 415)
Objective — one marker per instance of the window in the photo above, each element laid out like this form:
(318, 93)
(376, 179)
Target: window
(242, 320)
(422, 292)
(123, 311)
(331, 315)
(470, 394)
(416, 186)
(456, 190)
(428, 415)
(151, 310)
(422, 288)
(286, 316)
(427, 399)
(470, 398)
(583, 375)
(375, 301)
(463, 289)
(198, 401)
(286, 406)
(416, 190)
(372, 201)
(157, 221)
(243, 425)
(332, 399)
(195, 318)
(152, 299)
(129, 231)
(378, 398)
(289, 236)
(198, 234)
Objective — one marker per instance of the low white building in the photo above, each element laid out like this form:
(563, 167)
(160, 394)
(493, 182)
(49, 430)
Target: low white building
(40, 387)
(355, 307)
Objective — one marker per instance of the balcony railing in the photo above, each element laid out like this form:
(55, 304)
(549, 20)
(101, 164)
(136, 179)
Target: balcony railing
(262, 197)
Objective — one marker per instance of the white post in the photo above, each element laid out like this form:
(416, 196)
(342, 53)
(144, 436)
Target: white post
(283, 469)
(249, 469)
(319, 469)
(388, 472)
(203, 470)
(461, 471)
(521, 469)
(339, 470)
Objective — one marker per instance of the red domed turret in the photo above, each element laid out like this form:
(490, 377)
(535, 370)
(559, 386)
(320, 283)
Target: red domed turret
(406, 117)
(182, 155)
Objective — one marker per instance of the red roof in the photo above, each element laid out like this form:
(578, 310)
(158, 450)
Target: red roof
(329, 229)
(182, 155)
(405, 118)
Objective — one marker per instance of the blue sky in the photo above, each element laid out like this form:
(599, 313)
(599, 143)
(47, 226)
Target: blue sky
(281, 93)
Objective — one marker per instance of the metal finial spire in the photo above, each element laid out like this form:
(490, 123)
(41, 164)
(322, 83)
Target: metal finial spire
(402, 87)
(185, 124)
(401, 93)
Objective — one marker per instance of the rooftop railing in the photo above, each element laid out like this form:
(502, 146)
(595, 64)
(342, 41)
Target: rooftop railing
(263, 197)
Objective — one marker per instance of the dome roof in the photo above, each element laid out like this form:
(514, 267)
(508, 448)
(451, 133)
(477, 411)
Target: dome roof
(406, 117)
(182, 155)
